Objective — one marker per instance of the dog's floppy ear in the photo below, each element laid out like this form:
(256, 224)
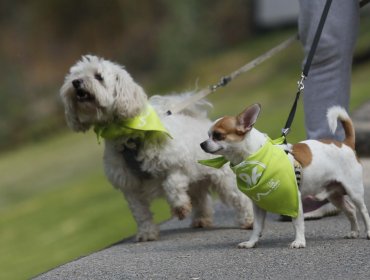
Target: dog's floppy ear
(247, 118)
(130, 98)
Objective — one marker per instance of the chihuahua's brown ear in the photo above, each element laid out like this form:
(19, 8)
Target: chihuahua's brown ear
(248, 118)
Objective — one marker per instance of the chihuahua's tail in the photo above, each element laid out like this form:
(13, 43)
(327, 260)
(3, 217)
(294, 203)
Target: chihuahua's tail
(336, 113)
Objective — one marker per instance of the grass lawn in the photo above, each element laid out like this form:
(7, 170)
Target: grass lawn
(55, 203)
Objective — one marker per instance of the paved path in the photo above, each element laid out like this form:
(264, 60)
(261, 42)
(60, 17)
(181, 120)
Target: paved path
(185, 253)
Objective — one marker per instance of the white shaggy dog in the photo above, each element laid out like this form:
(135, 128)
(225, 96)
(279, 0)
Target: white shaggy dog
(143, 165)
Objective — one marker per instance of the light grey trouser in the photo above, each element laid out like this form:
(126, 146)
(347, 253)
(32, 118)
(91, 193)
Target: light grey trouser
(329, 79)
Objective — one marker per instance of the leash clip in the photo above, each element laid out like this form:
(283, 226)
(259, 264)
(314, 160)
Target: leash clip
(285, 131)
(300, 82)
(223, 82)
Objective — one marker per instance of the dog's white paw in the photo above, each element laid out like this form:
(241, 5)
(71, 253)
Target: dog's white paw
(202, 223)
(146, 236)
(353, 234)
(248, 224)
(182, 211)
(298, 244)
(247, 245)
(147, 233)
(368, 235)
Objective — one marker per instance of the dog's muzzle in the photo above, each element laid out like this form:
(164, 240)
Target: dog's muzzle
(210, 147)
(81, 94)
(203, 145)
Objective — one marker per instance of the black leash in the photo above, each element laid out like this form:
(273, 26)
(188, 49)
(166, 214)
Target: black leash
(307, 66)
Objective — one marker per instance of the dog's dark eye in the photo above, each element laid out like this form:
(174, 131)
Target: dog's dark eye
(217, 136)
(99, 77)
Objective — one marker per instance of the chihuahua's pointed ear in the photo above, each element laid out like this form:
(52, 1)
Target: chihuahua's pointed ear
(248, 118)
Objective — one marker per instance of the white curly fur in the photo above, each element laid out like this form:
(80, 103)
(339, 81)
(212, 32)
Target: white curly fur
(171, 163)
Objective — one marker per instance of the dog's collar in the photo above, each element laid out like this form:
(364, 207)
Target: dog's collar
(267, 177)
(147, 121)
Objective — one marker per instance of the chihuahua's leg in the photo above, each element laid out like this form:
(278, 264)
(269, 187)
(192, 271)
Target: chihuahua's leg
(176, 186)
(365, 216)
(360, 204)
(298, 223)
(259, 222)
(343, 202)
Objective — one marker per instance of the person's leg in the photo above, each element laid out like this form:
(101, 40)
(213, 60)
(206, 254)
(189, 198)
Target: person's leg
(329, 80)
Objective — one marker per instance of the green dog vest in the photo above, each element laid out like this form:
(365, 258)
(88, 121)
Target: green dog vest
(267, 177)
(147, 121)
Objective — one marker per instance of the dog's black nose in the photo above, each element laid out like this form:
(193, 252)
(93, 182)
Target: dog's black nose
(77, 83)
(203, 145)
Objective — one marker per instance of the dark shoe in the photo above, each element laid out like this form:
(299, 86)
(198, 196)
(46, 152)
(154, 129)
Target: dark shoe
(314, 209)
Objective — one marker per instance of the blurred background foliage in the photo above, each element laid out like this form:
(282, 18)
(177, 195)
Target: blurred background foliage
(154, 39)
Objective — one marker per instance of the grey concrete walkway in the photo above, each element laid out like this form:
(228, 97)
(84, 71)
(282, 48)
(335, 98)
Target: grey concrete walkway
(185, 253)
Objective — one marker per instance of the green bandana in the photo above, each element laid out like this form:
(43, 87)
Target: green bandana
(147, 121)
(267, 177)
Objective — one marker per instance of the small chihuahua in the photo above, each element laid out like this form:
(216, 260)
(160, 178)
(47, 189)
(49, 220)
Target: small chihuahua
(329, 169)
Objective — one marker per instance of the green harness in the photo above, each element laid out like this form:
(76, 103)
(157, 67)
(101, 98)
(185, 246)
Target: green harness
(147, 121)
(267, 177)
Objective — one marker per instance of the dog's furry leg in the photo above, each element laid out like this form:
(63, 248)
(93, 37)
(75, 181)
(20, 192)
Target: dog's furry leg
(298, 223)
(176, 186)
(119, 175)
(202, 205)
(140, 208)
(259, 222)
(231, 195)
